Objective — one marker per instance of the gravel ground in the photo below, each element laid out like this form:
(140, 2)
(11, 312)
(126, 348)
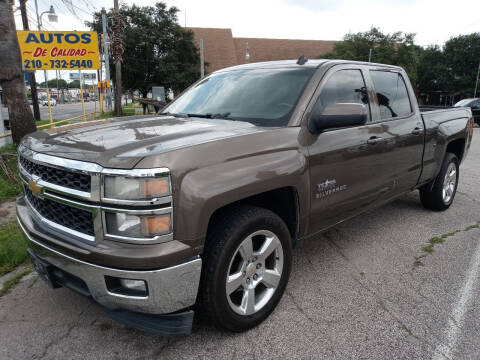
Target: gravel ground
(364, 290)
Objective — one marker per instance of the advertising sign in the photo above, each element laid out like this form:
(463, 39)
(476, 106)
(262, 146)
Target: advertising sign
(89, 76)
(74, 76)
(53, 50)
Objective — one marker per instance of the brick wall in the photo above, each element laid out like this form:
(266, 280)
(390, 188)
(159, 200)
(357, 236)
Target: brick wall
(223, 50)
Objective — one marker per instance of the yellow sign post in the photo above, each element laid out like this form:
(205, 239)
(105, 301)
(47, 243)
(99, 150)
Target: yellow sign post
(49, 107)
(84, 118)
(59, 50)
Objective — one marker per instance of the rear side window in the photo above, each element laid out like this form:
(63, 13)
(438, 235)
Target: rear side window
(392, 94)
(344, 86)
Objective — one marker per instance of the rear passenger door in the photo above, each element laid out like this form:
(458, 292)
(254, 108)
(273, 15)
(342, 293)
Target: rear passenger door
(402, 130)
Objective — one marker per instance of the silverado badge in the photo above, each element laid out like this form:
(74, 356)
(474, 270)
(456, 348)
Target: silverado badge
(328, 187)
(34, 187)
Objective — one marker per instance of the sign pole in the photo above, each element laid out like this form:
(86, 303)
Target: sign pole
(476, 81)
(49, 107)
(106, 58)
(81, 96)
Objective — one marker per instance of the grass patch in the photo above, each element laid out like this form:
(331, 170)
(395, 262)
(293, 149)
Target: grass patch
(476, 226)
(9, 284)
(44, 122)
(428, 248)
(13, 247)
(127, 111)
(436, 240)
(10, 184)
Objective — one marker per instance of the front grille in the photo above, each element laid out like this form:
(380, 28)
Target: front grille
(70, 217)
(65, 178)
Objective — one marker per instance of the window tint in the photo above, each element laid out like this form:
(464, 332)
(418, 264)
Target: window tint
(344, 86)
(264, 97)
(392, 94)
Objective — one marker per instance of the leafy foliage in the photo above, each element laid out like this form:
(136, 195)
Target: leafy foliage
(451, 69)
(431, 70)
(10, 184)
(395, 49)
(52, 83)
(461, 56)
(157, 50)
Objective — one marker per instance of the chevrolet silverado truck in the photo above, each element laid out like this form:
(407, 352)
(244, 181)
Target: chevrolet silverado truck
(199, 206)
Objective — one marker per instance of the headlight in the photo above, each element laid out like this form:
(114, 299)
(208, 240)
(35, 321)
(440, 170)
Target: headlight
(142, 210)
(122, 188)
(136, 185)
(137, 226)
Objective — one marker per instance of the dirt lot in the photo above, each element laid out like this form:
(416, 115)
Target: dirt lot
(372, 288)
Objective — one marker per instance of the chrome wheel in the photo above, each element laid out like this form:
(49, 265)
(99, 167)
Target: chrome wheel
(449, 183)
(254, 272)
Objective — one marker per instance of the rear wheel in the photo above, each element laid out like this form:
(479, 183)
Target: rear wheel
(445, 187)
(246, 268)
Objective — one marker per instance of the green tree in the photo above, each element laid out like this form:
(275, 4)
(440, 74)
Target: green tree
(74, 84)
(52, 83)
(157, 50)
(395, 49)
(462, 54)
(432, 70)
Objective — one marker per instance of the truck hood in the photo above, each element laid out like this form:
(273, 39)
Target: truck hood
(119, 143)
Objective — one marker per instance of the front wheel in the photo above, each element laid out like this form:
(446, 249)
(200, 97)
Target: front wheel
(445, 187)
(246, 269)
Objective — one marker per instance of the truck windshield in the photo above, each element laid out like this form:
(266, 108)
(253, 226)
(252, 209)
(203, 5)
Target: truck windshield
(464, 102)
(264, 97)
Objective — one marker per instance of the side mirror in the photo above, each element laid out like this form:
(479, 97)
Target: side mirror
(337, 115)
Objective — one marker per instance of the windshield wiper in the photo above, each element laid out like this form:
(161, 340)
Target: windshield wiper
(210, 115)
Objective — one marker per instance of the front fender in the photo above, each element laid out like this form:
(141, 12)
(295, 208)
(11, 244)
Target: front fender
(207, 189)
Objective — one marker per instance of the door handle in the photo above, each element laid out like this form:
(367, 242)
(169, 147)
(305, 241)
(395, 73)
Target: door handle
(417, 131)
(374, 140)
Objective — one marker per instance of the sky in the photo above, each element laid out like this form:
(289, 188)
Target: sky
(434, 22)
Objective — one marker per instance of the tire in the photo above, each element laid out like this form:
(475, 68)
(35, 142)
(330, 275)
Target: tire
(436, 199)
(224, 256)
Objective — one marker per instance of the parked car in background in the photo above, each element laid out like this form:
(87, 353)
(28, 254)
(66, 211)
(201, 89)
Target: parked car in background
(472, 103)
(53, 102)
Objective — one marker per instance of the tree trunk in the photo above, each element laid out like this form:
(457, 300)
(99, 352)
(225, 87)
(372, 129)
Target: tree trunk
(12, 78)
(31, 74)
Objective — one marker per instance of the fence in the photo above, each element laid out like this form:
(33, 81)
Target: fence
(64, 121)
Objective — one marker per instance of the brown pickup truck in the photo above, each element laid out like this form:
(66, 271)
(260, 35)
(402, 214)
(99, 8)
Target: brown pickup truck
(201, 205)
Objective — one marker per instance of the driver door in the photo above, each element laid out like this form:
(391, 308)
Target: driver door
(345, 163)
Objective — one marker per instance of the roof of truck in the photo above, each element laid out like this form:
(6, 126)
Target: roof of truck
(311, 63)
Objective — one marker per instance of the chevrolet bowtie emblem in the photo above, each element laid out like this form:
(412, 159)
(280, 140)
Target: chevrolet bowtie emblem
(34, 187)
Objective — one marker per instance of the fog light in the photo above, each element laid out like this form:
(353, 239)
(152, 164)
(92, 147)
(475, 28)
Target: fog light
(133, 284)
(128, 287)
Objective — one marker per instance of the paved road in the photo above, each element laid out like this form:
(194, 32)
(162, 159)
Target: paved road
(61, 111)
(364, 290)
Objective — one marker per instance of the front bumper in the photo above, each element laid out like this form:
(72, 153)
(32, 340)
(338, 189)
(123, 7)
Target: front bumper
(169, 289)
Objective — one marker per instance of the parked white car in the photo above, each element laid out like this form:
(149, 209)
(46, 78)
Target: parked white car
(53, 102)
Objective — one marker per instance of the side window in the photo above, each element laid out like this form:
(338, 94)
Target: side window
(392, 94)
(344, 86)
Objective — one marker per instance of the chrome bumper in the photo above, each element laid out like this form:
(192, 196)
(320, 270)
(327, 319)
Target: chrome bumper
(170, 289)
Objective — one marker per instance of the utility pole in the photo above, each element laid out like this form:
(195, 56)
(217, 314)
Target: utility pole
(476, 82)
(117, 55)
(370, 55)
(31, 74)
(39, 25)
(202, 60)
(106, 58)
